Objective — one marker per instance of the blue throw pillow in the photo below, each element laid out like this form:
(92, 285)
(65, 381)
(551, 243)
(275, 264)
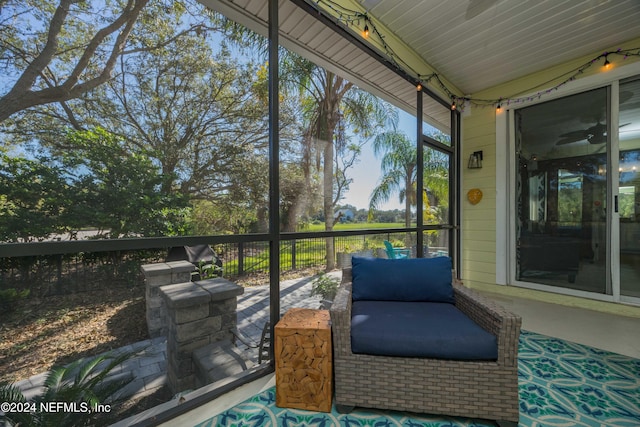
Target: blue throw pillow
(415, 279)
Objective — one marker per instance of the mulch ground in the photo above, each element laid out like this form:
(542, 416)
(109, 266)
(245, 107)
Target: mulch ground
(56, 330)
(41, 333)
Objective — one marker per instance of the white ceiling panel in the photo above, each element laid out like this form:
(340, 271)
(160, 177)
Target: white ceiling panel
(474, 44)
(477, 44)
(305, 35)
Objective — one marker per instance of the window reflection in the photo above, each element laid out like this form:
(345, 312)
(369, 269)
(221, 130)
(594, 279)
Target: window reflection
(561, 192)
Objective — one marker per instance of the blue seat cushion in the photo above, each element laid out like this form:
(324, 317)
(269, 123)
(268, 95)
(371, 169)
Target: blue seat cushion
(418, 329)
(416, 279)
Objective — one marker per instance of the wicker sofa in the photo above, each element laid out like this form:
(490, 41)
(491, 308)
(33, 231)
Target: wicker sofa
(477, 389)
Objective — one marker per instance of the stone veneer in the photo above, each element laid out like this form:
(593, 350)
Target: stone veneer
(156, 276)
(199, 313)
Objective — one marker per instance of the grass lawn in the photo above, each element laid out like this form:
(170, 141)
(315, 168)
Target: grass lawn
(356, 226)
(309, 253)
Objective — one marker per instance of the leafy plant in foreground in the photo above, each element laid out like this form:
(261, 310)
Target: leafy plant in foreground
(83, 385)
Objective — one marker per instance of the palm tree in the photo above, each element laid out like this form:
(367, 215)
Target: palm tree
(398, 167)
(333, 108)
(399, 173)
(332, 111)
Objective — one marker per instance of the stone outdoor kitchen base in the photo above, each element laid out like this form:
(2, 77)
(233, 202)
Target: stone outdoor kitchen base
(193, 315)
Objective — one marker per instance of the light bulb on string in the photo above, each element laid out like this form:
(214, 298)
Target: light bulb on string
(356, 18)
(419, 87)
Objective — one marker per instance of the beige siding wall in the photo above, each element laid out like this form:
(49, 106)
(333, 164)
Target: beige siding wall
(479, 133)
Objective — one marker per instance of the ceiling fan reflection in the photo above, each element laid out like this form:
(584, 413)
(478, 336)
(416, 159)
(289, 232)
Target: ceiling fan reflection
(596, 134)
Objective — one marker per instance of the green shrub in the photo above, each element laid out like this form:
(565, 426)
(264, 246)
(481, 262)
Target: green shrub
(206, 271)
(8, 298)
(325, 286)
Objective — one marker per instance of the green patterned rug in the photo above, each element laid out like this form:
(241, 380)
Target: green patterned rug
(561, 384)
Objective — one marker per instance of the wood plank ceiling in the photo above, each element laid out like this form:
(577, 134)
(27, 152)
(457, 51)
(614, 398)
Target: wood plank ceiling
(474, 44)
(307, 36)
(478, 44)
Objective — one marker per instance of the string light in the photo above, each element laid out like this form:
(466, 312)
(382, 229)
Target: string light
(354, 17)
(499, 108)
(419, 87)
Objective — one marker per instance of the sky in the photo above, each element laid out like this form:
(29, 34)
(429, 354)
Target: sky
(366, 173)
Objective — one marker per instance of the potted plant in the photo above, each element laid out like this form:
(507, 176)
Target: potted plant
(326, 287)
(343, 259)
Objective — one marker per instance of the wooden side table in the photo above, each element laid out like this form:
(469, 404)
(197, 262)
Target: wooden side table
(304, 360)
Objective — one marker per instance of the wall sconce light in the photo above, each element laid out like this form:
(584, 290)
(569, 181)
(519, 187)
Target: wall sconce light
(475, 160)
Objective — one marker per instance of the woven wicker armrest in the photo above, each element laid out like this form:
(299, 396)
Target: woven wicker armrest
(341, 319)
(347, 275)
(493, 318)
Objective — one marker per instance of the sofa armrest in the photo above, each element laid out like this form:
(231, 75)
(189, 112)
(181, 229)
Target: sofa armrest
(340, 312)
(347, 275)
(493, 318)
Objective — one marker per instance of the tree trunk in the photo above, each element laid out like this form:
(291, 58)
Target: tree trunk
(293, 215)
(328, 202)
(327, 121)
(407, 204)
(262, 222)
(407, 209)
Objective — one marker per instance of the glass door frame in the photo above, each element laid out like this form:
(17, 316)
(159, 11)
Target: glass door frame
(506, 205)
(423, 141)
(452, 215)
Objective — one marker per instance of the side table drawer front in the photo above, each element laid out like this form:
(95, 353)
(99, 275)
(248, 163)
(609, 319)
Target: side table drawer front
(304, 360)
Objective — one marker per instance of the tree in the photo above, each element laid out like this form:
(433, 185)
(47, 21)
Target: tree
(117, 191)
(55, 55)
(398, 167)
(33, 196)
(399, 173)
(98, 183)
(194, 111)
(335, 112)
(54, 52)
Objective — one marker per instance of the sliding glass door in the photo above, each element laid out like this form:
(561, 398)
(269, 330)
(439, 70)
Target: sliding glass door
(629, 187)
(577, 192)
(561, 192)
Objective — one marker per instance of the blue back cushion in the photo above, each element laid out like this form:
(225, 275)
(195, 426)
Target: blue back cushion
(415, 279)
